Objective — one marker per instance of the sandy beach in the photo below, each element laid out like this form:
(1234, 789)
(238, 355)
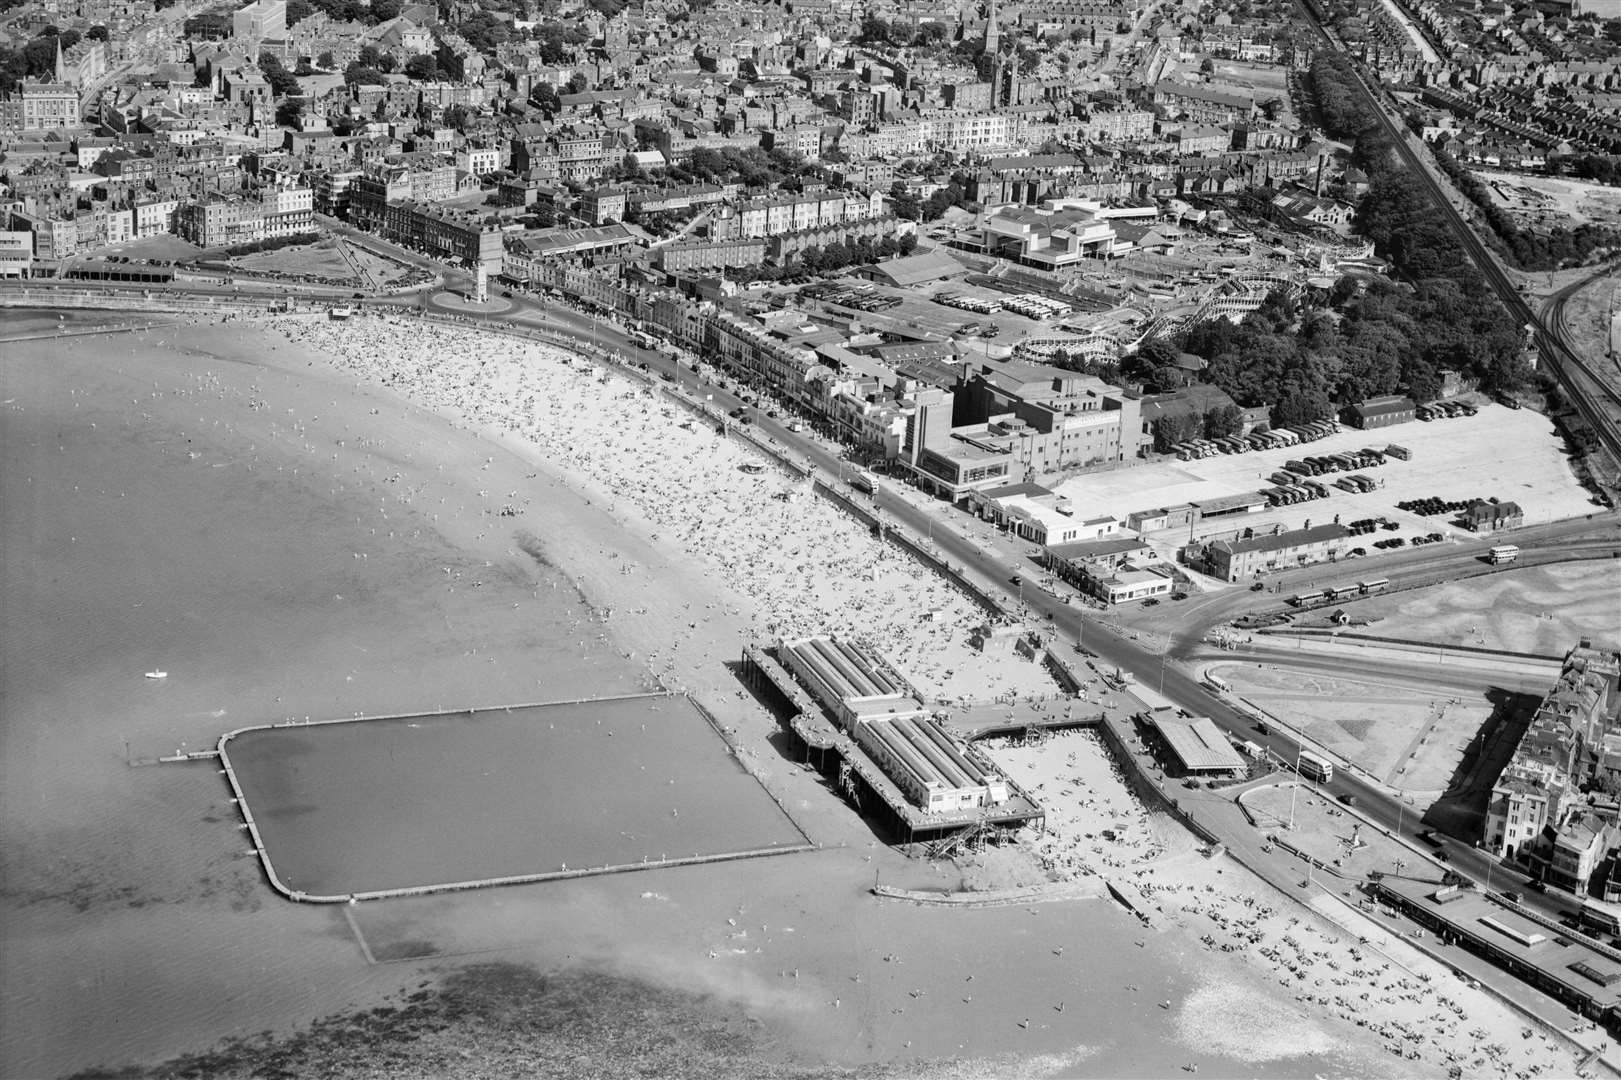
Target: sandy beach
(800, 564)
(382, 517)
(1423, 1016)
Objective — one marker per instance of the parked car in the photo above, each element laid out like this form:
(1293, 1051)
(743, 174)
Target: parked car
(1151, 601)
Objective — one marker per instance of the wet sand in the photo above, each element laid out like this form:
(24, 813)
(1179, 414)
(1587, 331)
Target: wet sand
(206, 512)
(134, 927)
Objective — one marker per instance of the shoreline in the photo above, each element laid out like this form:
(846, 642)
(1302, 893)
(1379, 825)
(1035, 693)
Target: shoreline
(837, 977)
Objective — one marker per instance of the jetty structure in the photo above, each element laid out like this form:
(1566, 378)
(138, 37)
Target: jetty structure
(855, 717)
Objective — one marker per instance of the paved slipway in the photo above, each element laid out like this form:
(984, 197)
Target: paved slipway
(162, 525)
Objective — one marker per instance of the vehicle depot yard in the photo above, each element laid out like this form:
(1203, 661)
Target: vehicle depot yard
(1452, 459)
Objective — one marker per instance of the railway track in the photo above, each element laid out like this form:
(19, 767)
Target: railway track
(1593, 398)
(1604, 394)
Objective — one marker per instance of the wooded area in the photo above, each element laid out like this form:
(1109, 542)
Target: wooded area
(1369, 335)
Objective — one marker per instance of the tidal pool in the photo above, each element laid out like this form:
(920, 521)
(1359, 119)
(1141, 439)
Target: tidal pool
(451, 799)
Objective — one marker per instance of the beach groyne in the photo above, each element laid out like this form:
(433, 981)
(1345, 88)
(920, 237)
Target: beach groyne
(1088, 889)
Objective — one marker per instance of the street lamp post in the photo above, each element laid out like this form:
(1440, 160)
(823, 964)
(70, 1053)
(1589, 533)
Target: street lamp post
(1294, 789)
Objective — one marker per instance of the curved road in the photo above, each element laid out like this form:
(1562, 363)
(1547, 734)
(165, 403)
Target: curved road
(1120, 647)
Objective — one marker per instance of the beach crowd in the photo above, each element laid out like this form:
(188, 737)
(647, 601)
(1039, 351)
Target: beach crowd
(803, 566)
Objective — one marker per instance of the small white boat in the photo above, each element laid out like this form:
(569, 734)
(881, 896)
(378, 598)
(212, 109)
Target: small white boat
(157, 674)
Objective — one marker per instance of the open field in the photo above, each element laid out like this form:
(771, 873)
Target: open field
(1325, 830)
(319, 260)
(1549, 200)
(381, 805)
(1457, 459)
(1410, 739)
(159, 247)
(1540, 610)
(1262, 78)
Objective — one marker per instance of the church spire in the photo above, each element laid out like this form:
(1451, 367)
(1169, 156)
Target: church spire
(61, 65)
(992, 34)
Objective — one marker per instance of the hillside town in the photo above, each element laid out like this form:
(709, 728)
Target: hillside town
(989, 246)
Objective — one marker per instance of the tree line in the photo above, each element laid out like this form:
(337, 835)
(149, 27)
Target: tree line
(1528, 249)
(1308, 356)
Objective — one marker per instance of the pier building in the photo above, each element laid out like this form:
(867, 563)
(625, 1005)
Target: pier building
(875, 706)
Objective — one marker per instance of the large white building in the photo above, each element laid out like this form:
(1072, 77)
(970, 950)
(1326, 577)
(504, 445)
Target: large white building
(878, 711)
(260, 21)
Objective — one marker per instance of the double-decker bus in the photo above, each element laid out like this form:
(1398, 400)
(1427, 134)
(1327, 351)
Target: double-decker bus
(1316, 767)
(1502, 553)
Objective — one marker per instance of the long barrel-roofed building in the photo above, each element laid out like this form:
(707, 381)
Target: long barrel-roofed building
(878, 710)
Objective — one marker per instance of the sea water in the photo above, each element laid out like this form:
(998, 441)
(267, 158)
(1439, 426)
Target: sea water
(173, 500)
